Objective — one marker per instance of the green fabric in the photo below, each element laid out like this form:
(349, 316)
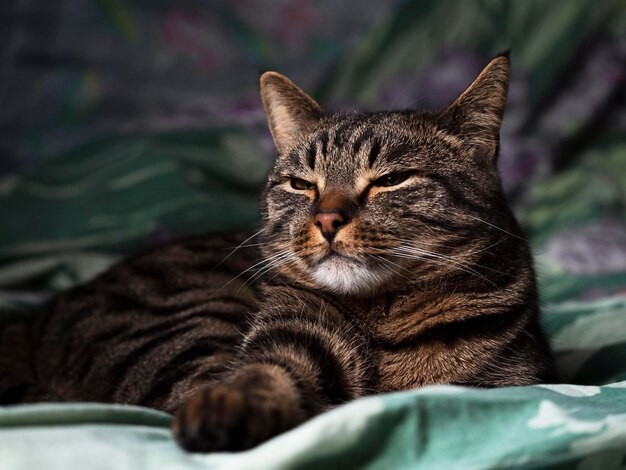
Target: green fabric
(443, 427)
(114, 192)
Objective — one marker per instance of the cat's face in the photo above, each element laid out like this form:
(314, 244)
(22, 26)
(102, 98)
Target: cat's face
(362, 202)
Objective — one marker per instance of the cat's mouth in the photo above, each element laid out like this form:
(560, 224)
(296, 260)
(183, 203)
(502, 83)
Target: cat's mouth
(335, 258)
(344, 274)
(334, 255)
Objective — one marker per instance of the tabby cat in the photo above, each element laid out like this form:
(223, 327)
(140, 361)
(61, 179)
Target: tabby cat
(387, 259)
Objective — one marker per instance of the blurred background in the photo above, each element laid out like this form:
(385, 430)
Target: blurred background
(128, 123)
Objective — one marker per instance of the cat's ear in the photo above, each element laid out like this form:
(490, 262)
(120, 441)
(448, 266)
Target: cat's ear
(476, 115)
(291, 113)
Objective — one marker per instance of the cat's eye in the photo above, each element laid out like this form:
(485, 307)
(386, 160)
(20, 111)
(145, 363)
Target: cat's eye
(301, 185)
(392, 179)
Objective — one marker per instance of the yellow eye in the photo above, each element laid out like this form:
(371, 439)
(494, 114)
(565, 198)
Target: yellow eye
(392, 179)
(301, 185)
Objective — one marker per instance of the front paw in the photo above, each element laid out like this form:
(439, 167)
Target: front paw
(228, 417)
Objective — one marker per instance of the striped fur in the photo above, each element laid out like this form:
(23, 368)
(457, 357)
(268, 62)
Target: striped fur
(426, 278)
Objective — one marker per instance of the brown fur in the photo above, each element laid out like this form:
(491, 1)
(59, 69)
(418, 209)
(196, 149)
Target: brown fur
(427, 280)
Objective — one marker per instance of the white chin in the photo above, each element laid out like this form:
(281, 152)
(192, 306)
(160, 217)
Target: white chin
(344, 276)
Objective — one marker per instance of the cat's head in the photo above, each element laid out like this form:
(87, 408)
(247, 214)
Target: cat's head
(360, 202)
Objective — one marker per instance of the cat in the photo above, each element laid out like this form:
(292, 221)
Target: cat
(387, 259)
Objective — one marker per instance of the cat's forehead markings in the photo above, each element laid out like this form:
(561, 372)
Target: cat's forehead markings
(365, 136)
(343, 133)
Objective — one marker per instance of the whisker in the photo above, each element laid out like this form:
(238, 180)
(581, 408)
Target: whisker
(268, 267)
(238, 247)
(264, 260)
(407, 253)
(245, 246)
(410, 247)
(391, 263)
(494, 226)
(465, 264)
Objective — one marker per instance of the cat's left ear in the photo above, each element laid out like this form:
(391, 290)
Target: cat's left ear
(475, 116)
(291, 113)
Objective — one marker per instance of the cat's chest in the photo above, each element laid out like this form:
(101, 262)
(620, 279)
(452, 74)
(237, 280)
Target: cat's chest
(396, 319)
(405, 349)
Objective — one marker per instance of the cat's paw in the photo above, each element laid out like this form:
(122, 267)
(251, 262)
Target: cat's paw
(231, 418)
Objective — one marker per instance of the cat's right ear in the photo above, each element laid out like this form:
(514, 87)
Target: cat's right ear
(476, 115)
(291, 113)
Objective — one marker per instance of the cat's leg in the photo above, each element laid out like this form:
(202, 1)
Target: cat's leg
(293, 364)
(257, 402)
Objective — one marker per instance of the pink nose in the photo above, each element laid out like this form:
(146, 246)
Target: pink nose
(329, 222)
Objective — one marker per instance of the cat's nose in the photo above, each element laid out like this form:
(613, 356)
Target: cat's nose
(329, 221)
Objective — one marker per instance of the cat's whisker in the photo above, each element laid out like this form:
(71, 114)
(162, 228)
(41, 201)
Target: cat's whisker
(275, 263)
(410, 254)
(259, 274)
(390, 265)
(412, 250)
(488, 247)
(246, 246)
(238, 247)
(263, 261)
(494, 226)
(255, 277)
(471, 265)
(410, 247)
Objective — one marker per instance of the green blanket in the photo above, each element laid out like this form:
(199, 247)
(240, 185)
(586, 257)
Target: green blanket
(71, 212)
(442, 427)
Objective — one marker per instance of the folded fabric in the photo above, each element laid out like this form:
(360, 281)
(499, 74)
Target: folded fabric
(440, 427)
